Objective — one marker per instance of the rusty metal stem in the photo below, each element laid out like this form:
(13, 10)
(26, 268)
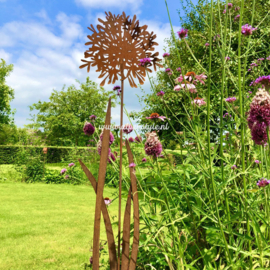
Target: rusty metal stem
(121, 161)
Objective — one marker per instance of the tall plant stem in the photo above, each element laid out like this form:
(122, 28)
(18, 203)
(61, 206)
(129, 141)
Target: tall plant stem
(208, 136)
(221, 119)
(242, 117)
(121, 162)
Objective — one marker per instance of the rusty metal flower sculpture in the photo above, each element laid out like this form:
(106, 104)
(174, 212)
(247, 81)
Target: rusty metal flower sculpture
(117, 45)
(120, 49)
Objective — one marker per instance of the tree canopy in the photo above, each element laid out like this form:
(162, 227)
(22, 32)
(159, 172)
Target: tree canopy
(64, 116)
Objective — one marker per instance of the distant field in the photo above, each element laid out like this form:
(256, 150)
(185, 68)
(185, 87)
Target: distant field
(47, 226)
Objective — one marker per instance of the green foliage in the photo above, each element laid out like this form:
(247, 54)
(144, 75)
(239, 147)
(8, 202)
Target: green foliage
(64, 116)
(194, 57)
(6, 94)
(34, 170)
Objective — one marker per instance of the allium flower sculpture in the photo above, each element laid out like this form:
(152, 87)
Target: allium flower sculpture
(120, 49)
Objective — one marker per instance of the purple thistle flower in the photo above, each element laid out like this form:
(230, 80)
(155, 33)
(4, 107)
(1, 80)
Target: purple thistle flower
(111, 157)
(257, 161)
(230, 99)
(247, 30)
(127, 128)
(153, 146)
(118, 93)
(263, 182)
(66, 176)
(71, 164)
(166, 54)
(144, 62)
(63, 171)
(116, 87)
(167, 70)
(138, 138)
(227, 58)
(237, 17)
(144, 159)
(132, 165)
(111, 137)
(179, 69)
(224, 11)
(226, 115)
(263, 80)
(230, 5)
(161, 93)
(182, 33)
(206, 44)
(130, 139)
(258, 133)
(250, 92)
(88, 129)
(268, 58)
(92, 117)
(234, 167)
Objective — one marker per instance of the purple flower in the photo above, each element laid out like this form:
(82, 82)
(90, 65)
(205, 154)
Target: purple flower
(227, 58)
(111, 157)
(263, 80)
(144, 62)
(107, 201)
(206, 44)
(224, 11)
(166, 54)
(230, 99)
(116, 87)
(226, 115)
(130, 139)
(88, 129)
(268, 58)
(92, 117)
(144, 159)
(247, 30)
(118, 93)
(234, 167)
(182, 33)
(71, 164)
(138, 138)
(237, 17)
(66, 176)
(230, 5)
(257, 161)
(127, 128)
(258, 133)
(156, 116)
(132, 165)
(237, 9)
(179, 69)
(198, 101)
(153, 146)
(263, 182)
(63, 171)
(250, 92)
(167, 70)
(111, 137)
(161, 93)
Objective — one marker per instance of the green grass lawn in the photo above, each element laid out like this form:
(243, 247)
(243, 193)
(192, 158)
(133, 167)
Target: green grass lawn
(47, 226)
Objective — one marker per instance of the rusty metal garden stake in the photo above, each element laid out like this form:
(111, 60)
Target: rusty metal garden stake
(116, 48)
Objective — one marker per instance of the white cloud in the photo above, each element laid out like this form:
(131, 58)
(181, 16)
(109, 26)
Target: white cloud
(44, 16)
(124, 4)
(5, 55)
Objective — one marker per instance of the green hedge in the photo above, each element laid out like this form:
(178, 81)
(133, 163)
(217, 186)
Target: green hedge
(10, 153)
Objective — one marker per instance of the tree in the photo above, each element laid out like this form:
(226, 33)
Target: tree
(64, 116)
(6, 93)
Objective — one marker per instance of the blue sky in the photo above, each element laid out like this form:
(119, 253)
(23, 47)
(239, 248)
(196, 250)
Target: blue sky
(44, 40)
